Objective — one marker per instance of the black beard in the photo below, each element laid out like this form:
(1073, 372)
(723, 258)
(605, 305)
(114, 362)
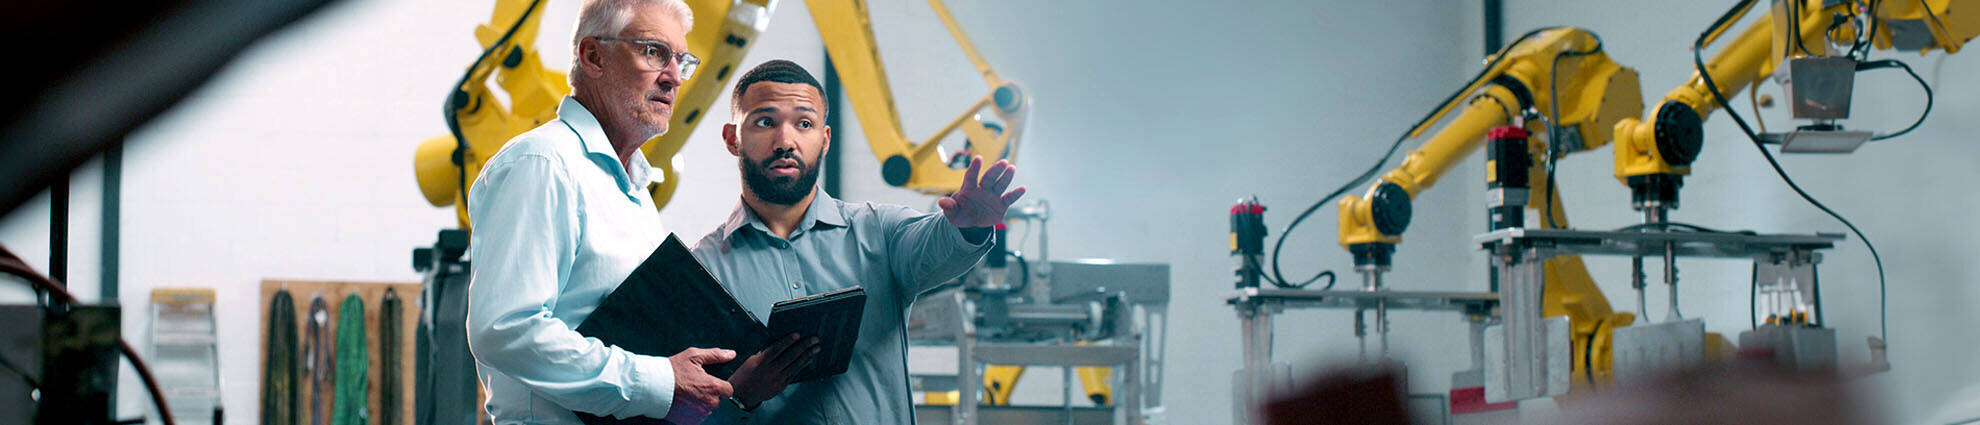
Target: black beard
(778, 190)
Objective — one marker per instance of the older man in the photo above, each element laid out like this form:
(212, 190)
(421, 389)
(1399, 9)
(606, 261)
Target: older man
(562, 216)
(787, 239)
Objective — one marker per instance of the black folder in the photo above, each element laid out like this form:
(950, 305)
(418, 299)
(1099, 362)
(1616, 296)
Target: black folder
(671, 303)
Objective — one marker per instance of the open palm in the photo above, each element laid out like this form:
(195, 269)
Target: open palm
(981, 201)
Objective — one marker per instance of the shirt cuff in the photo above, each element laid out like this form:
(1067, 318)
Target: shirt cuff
(955, 237)
(980, 234)
(653, 386)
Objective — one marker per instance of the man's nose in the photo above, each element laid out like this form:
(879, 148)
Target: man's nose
(786, 138)
(670, 77)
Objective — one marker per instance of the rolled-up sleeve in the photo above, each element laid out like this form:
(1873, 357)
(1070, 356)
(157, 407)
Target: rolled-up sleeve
(526, 213)
(926, 250)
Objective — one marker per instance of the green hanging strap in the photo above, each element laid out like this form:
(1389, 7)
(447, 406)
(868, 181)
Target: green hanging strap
(350, 405)
(279, 395)
(389, 352)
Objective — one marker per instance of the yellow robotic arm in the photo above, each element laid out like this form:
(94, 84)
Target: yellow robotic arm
(1560, 75)
(1524, 76)
(479, 124)
(904, 162)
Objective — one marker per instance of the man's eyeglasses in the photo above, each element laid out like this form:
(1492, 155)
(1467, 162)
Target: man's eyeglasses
(658, 53)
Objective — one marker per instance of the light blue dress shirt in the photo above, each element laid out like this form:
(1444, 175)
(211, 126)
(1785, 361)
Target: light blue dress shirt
(558, 224)
(894, 251)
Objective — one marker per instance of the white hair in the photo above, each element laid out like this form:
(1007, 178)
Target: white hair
(605, 18)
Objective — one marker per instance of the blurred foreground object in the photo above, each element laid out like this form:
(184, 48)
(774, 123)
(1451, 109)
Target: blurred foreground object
(1370, 394)
(96, 70)
(1749, 392)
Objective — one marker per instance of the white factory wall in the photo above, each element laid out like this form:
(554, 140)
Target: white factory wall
(1905, 193)
(1152, 118)
(295, 162)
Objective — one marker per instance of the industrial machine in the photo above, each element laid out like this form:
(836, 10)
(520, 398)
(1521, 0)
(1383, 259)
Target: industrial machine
(1553, 92)
(1262, 379)
(1103, 321)
(59, 356)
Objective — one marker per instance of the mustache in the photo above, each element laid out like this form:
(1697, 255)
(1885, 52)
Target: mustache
(783, 154)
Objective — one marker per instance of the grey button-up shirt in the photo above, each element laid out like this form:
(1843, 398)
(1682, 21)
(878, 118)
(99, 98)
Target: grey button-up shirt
(892, 250)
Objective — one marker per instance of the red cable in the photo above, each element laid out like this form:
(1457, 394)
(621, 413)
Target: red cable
(13, 265)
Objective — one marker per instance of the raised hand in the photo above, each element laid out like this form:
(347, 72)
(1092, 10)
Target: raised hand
(981, 201)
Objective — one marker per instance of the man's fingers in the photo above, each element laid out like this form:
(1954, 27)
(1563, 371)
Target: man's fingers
(1003, 181)
(1004, 178)
(996, 172)
(719, 356)
(1012, 197)
(808, 360)
(722, 389)
(1010, 173)
(787, 351)
(989, 175)
(705, 356)
(948, 204)
(796, 354)
(969, 175)
(776, 349)
(810, 356)
(785, 343)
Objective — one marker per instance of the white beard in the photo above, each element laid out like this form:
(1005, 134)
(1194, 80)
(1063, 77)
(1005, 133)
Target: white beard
(633, 107)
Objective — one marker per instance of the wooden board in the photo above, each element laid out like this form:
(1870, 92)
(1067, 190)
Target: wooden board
(333, 294)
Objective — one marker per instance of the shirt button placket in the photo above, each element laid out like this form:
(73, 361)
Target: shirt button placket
(791, 269)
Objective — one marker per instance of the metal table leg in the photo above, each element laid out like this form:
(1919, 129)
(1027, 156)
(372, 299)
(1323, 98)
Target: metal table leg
(1257, 323)
(967, 379)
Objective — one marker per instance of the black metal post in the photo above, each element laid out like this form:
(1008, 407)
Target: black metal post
(1495, 25)
(58, 231)
(113, 212)
(832, 114)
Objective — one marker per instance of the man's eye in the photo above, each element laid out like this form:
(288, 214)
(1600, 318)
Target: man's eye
(763, 122)
(804, 124)
(652, 51)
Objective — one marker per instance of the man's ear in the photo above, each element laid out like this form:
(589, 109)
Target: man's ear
(731, 140)
(828, 142)
(591, 61)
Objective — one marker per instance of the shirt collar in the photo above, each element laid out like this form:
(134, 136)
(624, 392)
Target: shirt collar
(824, 211)
(597, 146)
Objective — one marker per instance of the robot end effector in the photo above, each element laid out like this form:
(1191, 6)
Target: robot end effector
(1654, 154)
